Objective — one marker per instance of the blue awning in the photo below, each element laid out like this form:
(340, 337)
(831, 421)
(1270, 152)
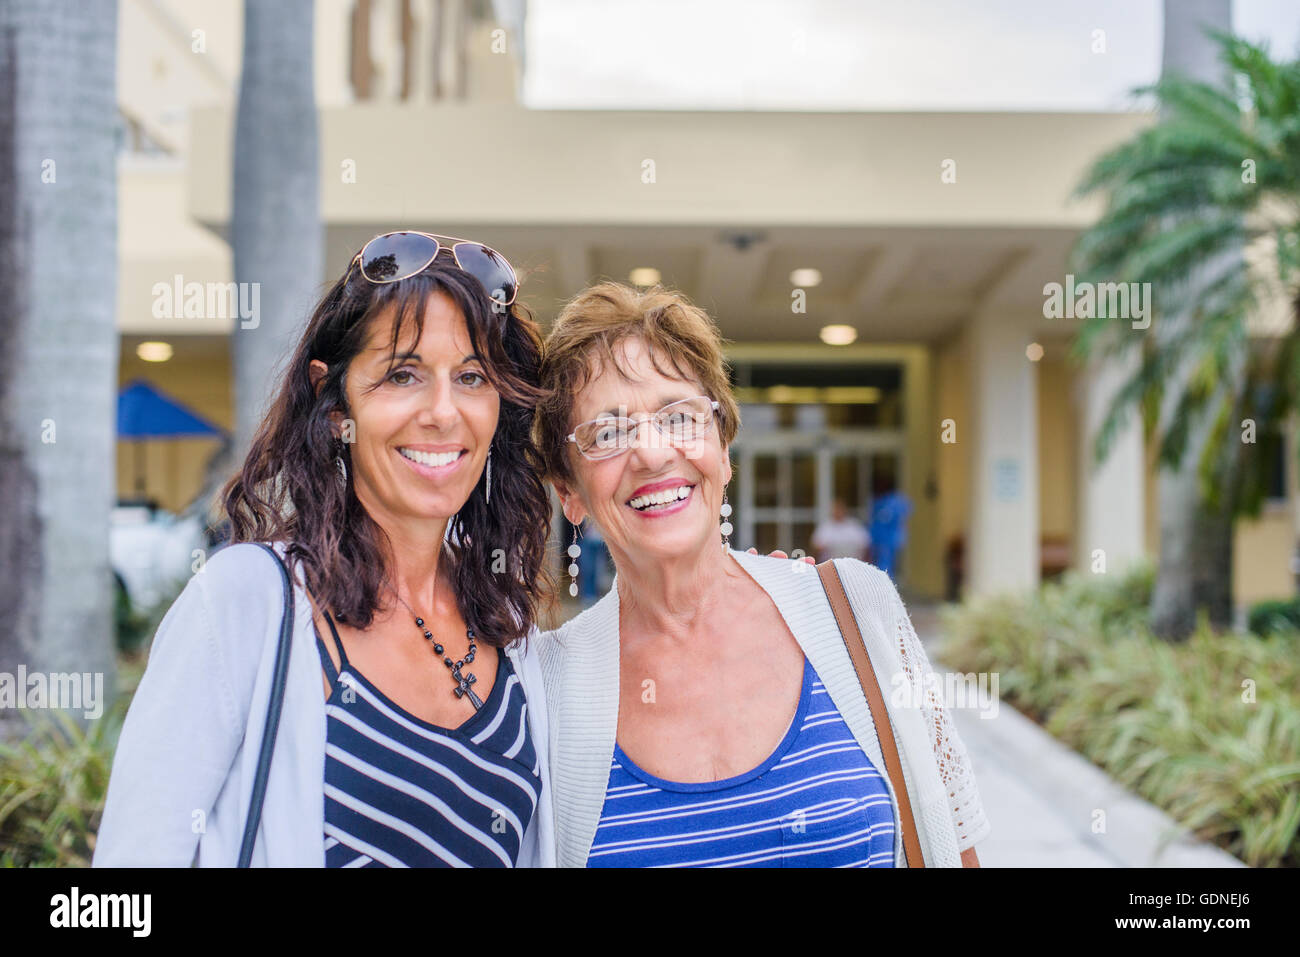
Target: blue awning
(145, 413)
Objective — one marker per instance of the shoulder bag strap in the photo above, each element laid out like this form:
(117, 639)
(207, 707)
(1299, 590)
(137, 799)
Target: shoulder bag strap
(272, 715)
(848, 625)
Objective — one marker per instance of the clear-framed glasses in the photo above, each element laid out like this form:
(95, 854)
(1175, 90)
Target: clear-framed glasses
(678, 423)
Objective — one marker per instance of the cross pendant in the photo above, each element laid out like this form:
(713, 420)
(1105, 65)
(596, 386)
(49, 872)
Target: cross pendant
(463, 688)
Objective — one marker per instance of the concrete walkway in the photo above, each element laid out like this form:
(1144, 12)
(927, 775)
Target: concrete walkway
(1042, 798)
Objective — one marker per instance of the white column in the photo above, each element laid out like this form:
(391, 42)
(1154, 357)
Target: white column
(1112, 496)
(1002, 553)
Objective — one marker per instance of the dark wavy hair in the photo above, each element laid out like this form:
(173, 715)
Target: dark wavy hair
(288, 488)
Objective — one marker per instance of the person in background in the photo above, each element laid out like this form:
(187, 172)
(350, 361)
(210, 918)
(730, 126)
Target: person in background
(840, 536)
(889, 515)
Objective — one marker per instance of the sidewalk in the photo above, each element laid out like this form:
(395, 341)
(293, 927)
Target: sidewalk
(1042, 797)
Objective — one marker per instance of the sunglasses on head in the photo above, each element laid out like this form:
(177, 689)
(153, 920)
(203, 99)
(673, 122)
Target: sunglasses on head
(391, 257)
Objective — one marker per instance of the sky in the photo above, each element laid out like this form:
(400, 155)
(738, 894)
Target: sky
(858, 54)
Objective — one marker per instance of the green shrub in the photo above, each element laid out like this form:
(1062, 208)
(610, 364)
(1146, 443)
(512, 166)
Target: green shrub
(53, 782)
(128, 624)
(1051, 639)
(134, 629)
(52, 789)
(1207, 729)
(1274, 617)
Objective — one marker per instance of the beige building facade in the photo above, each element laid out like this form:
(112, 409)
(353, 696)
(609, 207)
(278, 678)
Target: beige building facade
(932, 237)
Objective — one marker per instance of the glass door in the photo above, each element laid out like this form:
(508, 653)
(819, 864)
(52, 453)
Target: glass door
(783, 511)
(784, 482)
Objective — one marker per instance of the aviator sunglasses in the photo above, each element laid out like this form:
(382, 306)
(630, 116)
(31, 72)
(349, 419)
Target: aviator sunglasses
(391, 257)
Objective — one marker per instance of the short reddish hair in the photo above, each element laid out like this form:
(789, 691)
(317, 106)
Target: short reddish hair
(683, 342)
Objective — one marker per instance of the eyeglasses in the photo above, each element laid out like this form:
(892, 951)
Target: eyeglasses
(391, 257)
(680, 422)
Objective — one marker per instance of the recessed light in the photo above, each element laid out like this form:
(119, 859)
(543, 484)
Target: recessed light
(1034, 351)
(806, 278)
(838, 335)
(154, 351)
(644, 276)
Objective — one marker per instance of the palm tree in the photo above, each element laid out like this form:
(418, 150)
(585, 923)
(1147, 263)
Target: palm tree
(1184, 199)
(276, 226)
(59, 363)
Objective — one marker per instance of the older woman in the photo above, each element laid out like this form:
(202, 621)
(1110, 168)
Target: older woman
(706, 711)
(394, 473)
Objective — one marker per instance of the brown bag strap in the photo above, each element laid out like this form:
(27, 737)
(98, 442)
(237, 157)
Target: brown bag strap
(848, 624)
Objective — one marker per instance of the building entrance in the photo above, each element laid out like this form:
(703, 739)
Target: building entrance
(785, 481)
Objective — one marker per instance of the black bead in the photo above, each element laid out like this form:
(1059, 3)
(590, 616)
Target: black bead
(419, 622)
(447, 662)
(437, 649)
(469, 632)
(429, 635)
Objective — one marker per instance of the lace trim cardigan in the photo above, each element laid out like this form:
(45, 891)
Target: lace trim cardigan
(580, 666)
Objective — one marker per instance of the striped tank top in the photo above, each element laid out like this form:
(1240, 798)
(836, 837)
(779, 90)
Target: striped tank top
(401, 792)
(817, 801)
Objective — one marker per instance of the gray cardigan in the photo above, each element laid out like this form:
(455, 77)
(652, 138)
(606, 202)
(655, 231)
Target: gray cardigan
(183, 773)
(580, 666)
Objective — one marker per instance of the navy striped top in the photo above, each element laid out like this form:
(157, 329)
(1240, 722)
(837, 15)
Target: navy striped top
(817, 801)
(401, 792)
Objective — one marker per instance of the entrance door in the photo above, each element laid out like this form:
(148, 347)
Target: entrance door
(784, 482)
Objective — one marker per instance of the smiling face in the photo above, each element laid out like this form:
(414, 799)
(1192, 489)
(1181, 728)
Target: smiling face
(656, 500)
(422, 433)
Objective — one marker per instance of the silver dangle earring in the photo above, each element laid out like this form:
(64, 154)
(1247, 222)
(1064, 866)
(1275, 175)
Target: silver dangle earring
(574, 551)
(726, 528)
(487, 492)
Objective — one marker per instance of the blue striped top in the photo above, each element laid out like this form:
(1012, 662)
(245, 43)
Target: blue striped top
(817, 801)
(401, 792)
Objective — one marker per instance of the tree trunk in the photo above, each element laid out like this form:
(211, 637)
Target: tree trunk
(1173, 598)
(1196, 534)
(59, 363)
(1212, 565)
(276, 228)
(1195, 563)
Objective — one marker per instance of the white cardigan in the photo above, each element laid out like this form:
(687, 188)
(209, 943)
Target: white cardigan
(182, 776)
(580, 662)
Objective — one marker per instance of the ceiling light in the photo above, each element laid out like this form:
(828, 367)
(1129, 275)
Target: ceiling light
(806, 278)
(838, 335)
(154, 351)
(644, 276)
(1034, 351)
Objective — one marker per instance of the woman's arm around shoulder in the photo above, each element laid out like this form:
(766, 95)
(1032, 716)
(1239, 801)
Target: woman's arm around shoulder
(182, 731)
